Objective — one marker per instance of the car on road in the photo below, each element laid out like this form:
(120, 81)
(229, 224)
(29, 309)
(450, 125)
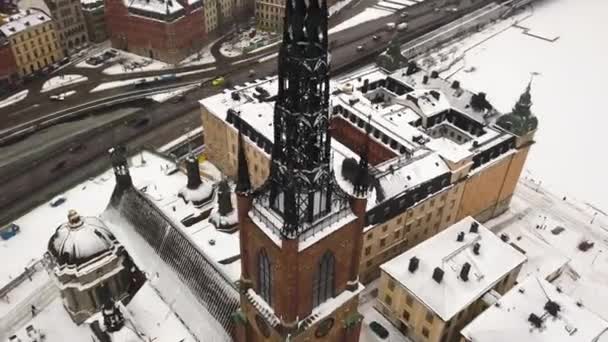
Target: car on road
(390, 26)
(59, 97)
(378, 329)
(360, 48)
(57, 201)
(251, 73)
(404, 14)
(8, 231)
(375, 37)
(218, 82)
(402, 27)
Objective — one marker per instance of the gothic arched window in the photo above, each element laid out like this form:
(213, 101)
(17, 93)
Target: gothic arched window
(323, 283)
(264, 276)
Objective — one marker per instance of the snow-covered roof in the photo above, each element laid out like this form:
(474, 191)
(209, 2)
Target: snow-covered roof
(163, 7)
(449, 150)
(148, 317)
(509, 320)
(452, 294)
(395, 180)
(23, 21)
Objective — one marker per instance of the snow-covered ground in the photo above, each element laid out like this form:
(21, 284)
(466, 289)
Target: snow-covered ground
(24, 290)
(162, 97)
(14, 98)
(61, 81)
(335, 8)
(202, 57)
(243, 43)
(128, 63)
(368, 14)
(568, 93)
(117, 84)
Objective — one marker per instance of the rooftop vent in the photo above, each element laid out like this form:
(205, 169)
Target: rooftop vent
(552, 308)
(12, 29)
(476, 248)
(585, 245)
(365, 86)
(521, 290)
(535, 320)
(474, 227)
(27, 23)
(435, 94)
(235, 96)
(455, 85)
(352, 101)
(414, 262)
(425, 79)
(438, 275)
(464, 271)
(460, 237)
(434, 74)
(504, 237)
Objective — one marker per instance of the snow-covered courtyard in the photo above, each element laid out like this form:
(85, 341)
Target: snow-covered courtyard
(127, 62)
(248, 41)
(62, 81)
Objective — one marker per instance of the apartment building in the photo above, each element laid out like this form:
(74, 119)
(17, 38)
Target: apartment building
(434, 289)
(437, 152)
(33, 41)
(269, 14)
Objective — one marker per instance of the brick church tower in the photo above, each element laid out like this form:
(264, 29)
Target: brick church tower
(300, 233)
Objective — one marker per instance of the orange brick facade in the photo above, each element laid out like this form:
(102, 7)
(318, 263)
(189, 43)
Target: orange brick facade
(169, 41)
(352, 137)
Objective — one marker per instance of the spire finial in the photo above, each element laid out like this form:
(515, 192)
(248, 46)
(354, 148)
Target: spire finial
(243, 184)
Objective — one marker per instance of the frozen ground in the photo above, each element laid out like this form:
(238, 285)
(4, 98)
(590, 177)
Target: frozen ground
(128, 63)
(367, 15)
(162, 97)
(568, 93)
(335, 8)
(202, 57)
(14, 98)
(61, 81)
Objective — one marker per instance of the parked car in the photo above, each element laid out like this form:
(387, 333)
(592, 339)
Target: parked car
(378, 329)
(57, 201)
(8, 231)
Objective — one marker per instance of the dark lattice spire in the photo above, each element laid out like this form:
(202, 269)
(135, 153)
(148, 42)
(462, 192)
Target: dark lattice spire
(193, 172)
(522, 107)
(300, 175)
(520, 121)
(112, 317)
(243, 184)
(362, 181)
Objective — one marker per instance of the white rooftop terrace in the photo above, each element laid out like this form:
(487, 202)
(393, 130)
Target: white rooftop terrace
(452, 294)
(507, 321)
(162, 7)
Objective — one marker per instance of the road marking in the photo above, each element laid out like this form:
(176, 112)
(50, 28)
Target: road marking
(22, 110)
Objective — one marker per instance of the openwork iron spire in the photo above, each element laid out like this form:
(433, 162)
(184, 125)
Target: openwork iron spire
(301, 177)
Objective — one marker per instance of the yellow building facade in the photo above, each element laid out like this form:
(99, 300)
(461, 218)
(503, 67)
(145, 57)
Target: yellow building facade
(426, 309)
(33, 41)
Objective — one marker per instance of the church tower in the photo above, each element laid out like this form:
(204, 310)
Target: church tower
(300, 233)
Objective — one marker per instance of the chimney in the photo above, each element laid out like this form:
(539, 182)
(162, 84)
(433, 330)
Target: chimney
(434, 74)
(464, 271)
(474, 227)
(535, 320)
(438, 275)
(118, 157)
(460, 237)
(425, 79)
(194, 176)
(455, 85)
(476, 248)
(365, 86)
(413, 264)
(435, 94)
(552, 308)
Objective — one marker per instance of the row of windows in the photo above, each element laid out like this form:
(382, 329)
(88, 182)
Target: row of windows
(323, 280)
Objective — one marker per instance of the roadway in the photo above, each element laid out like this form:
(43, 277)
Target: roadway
(26, 178)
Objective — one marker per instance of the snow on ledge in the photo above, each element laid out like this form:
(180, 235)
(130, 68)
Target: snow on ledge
(312, 239)
(14, 98)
